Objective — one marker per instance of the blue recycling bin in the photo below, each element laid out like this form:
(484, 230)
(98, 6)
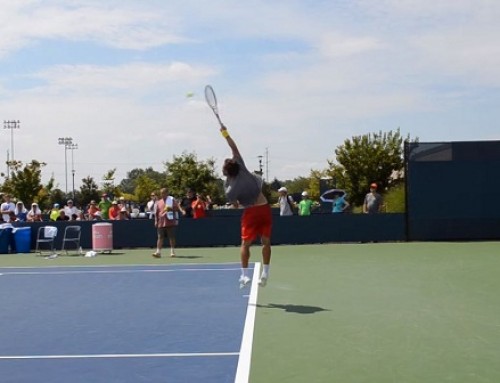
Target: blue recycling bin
(5, 239)
(22, 239)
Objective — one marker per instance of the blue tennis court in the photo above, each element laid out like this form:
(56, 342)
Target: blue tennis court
(179, 323)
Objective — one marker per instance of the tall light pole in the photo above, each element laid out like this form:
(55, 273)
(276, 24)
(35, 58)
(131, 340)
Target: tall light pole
(66, 141)
(73, 147)
(11, 124)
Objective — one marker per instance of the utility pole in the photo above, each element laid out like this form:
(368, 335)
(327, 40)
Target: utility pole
(11, 124)
(66, 141)
(267, 164)
(73, 147)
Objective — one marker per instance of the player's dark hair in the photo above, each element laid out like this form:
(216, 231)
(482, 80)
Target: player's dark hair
(231, 168)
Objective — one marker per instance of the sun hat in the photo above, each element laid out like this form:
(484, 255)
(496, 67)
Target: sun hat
(282, 189)
(305, 194)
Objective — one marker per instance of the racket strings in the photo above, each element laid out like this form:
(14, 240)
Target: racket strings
(210, 97)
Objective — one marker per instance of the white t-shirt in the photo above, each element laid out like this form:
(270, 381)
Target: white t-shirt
(150, 208)
(69, 211)
(285, 203)
(7, 206)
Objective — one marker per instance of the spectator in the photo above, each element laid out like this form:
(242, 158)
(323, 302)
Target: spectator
(122, 203)
(150, 206)
(339, 203)
(199, 207)
(71, 210)
(305, 205)
(135, 210)
(285, 202)
(114, 211)
(123, 214)
(186, 204)
(7, 207)
(13, 217)
(54, 212)
(21, 213)
(373, 201)
(209, 201)
(62, 216)
(35, 214)
(104, 206)
(92, 211)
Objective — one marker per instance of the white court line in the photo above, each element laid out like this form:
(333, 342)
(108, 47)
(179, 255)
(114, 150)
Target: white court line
(243, 370)
(67, 272)
(131, 265)
(117, 356)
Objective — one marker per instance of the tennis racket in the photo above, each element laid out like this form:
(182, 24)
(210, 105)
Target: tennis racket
(212, 102)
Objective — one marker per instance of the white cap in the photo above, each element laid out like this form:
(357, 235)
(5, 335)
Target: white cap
(304, 194)
(282, 189)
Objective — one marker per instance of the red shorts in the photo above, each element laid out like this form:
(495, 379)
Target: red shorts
(256, 221)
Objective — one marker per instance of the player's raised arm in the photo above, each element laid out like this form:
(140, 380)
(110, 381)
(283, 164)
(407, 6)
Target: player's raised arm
(230, 141)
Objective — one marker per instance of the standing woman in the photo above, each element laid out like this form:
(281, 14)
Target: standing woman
(199, 207)
(245, 188)
(166, 221)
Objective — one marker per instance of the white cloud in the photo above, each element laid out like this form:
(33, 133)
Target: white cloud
(134, 77)
(125, 27)
(333, 46)
(295, 78)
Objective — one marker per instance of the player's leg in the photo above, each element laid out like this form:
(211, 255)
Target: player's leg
(159, 242)
(171, 239)
(245, 257)
(266, 260)
(265, 219)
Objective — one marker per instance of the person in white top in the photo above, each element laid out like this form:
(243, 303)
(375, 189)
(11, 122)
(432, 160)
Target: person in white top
(71, 210)
(7, 208)
(150, 206)
(285, 202)
(35, 214)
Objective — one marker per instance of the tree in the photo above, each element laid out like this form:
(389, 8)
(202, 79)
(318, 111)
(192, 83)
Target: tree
(365, 159)
(144, 186)
(186, 171)
(25, 183)
(108, 183)
(129, 184)
(89, 190)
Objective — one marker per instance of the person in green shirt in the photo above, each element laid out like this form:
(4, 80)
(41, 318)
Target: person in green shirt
(54, 212)
(306, 204)
(104, 205)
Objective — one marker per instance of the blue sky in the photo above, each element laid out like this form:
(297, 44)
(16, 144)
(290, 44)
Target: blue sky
(294, 78)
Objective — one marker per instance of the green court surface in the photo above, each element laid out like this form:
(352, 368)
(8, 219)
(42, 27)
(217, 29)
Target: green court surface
(379, 312)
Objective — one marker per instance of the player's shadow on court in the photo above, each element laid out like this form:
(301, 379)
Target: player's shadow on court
(297, 309)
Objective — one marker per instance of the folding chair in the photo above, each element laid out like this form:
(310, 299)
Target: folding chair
(46, 235)
(72, 234)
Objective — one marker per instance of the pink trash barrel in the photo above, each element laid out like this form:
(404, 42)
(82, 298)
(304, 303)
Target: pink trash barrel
(102, 237)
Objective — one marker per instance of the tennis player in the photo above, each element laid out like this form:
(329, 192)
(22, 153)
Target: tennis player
(245, 188)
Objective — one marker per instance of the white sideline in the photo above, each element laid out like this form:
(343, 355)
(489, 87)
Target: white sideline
(243, 370)
(104, 356)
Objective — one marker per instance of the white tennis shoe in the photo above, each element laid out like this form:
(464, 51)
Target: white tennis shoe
(244, 281)
(263, 280)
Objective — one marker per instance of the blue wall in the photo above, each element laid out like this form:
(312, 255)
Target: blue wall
(222, 228)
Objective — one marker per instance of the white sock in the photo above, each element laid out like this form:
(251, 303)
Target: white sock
(265, 270)
(158, 251)
(244, 272)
